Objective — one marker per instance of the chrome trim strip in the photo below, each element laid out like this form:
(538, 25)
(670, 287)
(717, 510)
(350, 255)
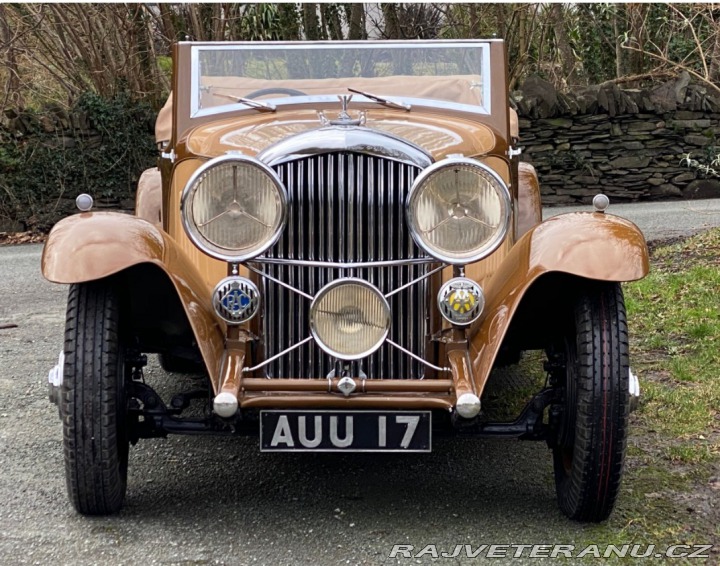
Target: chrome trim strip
(341, 264)
(355, 139)
(276, 356)
(416, 358)
(417, 279)
(195, 82)
(323, 43)
(274, 280)
(312, 102)
(486, 81)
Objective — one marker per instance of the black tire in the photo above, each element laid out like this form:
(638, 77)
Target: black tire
(590, 445)
(93, 403)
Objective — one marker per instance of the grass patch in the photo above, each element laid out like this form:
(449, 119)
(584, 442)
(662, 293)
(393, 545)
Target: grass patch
(675, 337)
(673, 454)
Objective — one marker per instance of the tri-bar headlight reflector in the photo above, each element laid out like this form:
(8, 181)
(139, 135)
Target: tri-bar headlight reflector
(236, 299)
(349, 318)
(234, 207)
(458, 210)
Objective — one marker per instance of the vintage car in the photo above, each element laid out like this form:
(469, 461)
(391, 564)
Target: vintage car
(342, 238)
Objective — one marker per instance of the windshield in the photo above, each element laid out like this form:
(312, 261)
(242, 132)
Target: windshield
(454, 73)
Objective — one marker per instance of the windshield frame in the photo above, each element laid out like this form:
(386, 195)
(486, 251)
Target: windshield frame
(484, 109)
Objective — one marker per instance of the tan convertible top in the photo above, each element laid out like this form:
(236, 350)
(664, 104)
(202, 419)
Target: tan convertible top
(163, 124)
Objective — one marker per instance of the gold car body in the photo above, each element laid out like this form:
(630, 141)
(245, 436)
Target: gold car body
(589, 245)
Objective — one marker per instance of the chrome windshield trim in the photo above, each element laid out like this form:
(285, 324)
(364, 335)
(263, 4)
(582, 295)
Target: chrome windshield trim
(314, 100)
(342, 265)
(356, 139)
(324, 43)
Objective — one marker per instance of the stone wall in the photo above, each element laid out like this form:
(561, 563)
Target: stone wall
(48, 157)
(629, 144)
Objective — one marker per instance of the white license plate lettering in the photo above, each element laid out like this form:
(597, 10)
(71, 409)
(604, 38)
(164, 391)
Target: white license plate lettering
(283, 434)
(302, 431)
(382, 431)
(335, 439)
(345, 431)
(411, 422)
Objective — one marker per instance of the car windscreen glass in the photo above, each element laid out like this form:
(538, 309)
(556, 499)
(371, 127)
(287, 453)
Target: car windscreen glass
(454, 73)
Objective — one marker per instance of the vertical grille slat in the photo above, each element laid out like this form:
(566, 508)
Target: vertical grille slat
(344, 207)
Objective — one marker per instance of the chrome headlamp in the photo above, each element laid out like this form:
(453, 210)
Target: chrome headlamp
(458, 210)
(349, 318)
(234, 207)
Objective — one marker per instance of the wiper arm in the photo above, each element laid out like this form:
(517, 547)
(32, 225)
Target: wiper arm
(383, 101)
(265, 106)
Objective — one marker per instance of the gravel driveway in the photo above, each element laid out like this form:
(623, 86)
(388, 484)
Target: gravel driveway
(194, 500)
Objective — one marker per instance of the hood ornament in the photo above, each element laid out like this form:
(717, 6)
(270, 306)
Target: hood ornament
(344, 101)
(344, 119)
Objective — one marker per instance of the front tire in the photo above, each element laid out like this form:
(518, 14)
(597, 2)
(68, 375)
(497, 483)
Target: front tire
(590, 440)
(94, 403)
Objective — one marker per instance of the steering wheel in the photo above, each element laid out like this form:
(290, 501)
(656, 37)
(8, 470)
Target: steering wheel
(275, 90)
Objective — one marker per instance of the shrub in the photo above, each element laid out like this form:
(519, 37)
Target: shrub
(48, 157)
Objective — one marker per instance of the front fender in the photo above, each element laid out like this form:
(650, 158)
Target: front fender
(589, 245)
(92, 245)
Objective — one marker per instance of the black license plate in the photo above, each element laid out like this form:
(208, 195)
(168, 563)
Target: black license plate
(345, 431)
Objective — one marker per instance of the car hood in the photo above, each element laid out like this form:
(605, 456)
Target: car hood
(437, 135)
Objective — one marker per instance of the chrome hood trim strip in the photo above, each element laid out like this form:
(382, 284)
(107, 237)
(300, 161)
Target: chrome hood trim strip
(355, 139)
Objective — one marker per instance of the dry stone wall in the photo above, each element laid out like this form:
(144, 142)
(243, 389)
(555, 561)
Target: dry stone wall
(49, 156)
(629, 144)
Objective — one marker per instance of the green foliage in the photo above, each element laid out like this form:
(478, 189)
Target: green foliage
(593, 37)
(706, 163)
(261, 22)
(99, 147)
(164, 63)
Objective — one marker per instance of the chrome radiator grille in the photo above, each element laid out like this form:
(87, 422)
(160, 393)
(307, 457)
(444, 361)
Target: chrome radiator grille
(344, 207)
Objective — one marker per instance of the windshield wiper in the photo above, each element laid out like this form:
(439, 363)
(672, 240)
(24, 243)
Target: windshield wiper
(265, 106)
(383, 101)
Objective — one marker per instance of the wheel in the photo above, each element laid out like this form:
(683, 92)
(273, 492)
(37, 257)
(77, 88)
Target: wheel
(276, 90)
(591, 431)
(93, 402)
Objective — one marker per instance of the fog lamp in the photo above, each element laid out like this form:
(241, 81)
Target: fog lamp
(236, 300)
(349, 318)
(461, 301)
